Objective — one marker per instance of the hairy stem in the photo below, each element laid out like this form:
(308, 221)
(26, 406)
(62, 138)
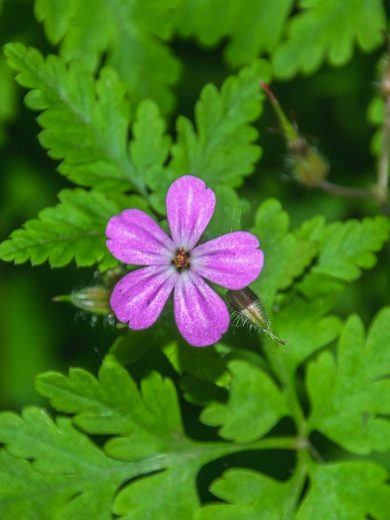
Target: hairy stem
(383, 163)
(345, 191)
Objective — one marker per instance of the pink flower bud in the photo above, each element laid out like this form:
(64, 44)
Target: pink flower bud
(247, 309)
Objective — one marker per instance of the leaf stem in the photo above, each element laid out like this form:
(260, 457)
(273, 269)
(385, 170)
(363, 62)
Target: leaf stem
(220, 448)
(297, 484)
(303, 446)
(299, 149)
(286, 378)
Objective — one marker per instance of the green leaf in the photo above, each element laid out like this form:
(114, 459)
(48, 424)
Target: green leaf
(27, 494)
(174, 496)
(306, 327)
(255, 405)
(286, 254)
(250, 496)
(339, 491)
(348, 396)
(328, 30)
(346, 249)
(150, 145)
(74, 229)
(208, 22)
(85, 123)
(250, 26)
(205, 364)
(343, 249)
(219, 147)
(347, 490)
(83, 479)
(153, 457)
(157, 422)
(376, 114)
(257, 28)
(131, 34)
(77, 469)
(112, 404)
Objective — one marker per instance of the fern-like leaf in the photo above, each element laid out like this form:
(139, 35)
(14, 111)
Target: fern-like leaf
(131, 33)
(85, 122)
(329, 30)
(74, 229)
(220, 148)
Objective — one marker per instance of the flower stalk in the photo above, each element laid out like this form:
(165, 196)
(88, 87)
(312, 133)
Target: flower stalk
(311, 169)
(308, 165)
(382, 185)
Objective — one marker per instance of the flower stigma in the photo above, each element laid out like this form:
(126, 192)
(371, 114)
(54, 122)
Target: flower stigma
(181, 260)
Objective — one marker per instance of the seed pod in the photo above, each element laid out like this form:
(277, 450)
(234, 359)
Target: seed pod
(247, 309)
(307, 164)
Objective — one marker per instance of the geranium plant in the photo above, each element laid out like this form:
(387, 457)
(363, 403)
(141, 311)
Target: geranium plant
(173, 232)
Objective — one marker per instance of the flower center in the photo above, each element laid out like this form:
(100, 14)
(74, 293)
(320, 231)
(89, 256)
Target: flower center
(181, 260)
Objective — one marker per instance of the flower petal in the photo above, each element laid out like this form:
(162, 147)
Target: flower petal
(135, 238)
(190, 206)
(201, 315)
(232, 260)
(139, 297)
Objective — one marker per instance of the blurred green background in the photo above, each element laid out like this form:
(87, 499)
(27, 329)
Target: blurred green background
(330, 108)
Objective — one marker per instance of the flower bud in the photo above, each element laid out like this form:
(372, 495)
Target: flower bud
(94, 299)
(308, 166)
(246, 309)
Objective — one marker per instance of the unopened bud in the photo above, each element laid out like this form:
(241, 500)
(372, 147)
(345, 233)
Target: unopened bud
(247, 309)
(307, 164)
(92, 299)
(95, 298)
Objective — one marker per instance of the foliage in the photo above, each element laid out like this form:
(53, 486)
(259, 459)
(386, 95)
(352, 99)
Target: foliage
(337, 26)
(73, 229)
(85, 123)
(346, 398)
(354, 490)
(254, 27)
(222, 146)
(131, 33)
(146, 439)
(244, 429)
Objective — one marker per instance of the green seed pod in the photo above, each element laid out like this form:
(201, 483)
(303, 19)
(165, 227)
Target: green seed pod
(246, 309)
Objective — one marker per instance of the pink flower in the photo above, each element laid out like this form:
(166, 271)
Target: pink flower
(180, 266)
